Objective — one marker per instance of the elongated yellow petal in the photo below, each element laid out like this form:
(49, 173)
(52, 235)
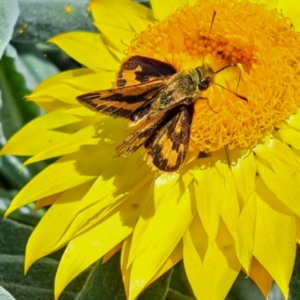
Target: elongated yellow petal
(47, 201)
(210, 193)
(111, 253)
(76, 45)
(111, 36)
(231, 216)
(172, 260)
(279, 169)
(124, 263)
(212, 277)
(92, 82)
(243, 168)
(261, 277)
(88, 135)
(124, 14)
(41, 132)
(80, 167)
(58, 78)
(275, 228)
(155, 197)
(99, 203)
(246, 233)
(46, 235)
(170, 229)
(162, 9)
(156, 211)
(290, 136)
(85, 249)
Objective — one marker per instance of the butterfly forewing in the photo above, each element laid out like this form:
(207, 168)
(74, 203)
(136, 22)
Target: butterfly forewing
(169, 145)
(122, 102)
(138, 69)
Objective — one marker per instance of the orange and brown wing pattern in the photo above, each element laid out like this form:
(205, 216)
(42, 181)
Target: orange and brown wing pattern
(139, 69)
(122, 102)
(168, 147)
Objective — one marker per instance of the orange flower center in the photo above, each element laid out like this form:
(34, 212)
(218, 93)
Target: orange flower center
(264, 48)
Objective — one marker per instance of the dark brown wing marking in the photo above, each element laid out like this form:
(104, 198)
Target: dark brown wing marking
(122, 102)
(138, 69)
(138, 138)
(169, 145)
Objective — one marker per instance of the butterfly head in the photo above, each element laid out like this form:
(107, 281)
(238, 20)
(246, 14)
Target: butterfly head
(206, 76)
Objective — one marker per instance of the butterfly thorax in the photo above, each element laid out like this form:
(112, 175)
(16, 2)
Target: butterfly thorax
(205, 76)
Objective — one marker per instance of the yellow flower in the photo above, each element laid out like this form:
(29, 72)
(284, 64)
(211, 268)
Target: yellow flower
(235, 207)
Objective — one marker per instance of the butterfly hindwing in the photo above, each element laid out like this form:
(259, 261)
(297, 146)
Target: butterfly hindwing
(138, 137)
(169, 145)
(138, 69)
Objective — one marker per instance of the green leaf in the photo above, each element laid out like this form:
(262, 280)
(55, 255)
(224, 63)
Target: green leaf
(41, 19)
(295, 281)
(24, 214)
(9, 12)
(158, 290)
(5, 295)
(104, 281)
(39, 282)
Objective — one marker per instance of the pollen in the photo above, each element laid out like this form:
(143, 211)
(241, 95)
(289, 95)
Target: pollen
(255, 54)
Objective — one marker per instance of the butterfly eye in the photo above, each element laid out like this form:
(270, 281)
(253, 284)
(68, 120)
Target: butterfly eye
(204, 84)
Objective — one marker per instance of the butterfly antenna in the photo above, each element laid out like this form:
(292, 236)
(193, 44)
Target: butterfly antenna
(236, 94)
(235, 66)
(208, 37)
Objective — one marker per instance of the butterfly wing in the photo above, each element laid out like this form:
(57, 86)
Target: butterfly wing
(168, 146)
(122, 102)
(140, 79)
(138, 69)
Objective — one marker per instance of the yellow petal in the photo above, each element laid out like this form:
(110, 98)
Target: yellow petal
(80, 167)
(88, 247)
(212, 277)
(45, 236)
(261, 277)
(291, 10)
(243, 168)
(172, 260)
(124, 262)
(162, 9)
(294, 120)
(124, 14)
(76, 44)
(210, 192)
(246, 230)
(47, 201)
(275, 228)
(108, 195)
(170, 229)
(86, 135)
(290, 136)
(298, 229)
(58, 78)
(117, 38)
(41, 134)
(231, 216)
(156, 211)
(111, 253)
(279, 169)
(93, 82)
